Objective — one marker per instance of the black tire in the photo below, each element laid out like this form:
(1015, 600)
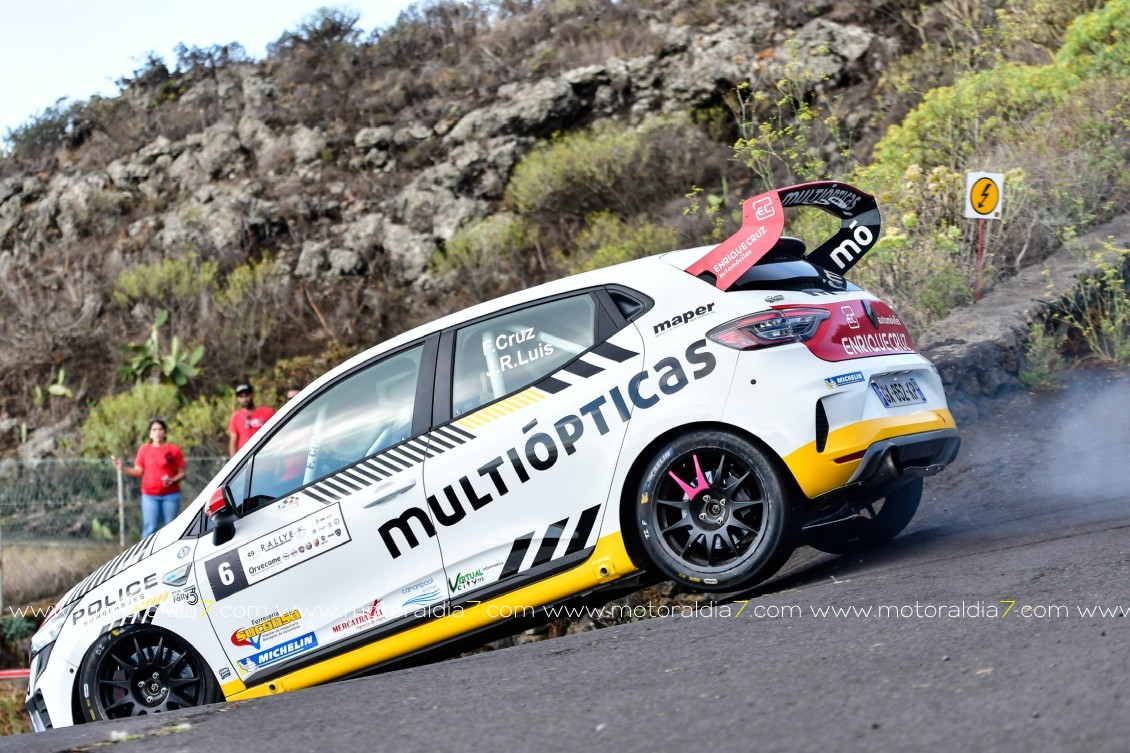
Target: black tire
(880, 522)
(725, 529)
(141, 670)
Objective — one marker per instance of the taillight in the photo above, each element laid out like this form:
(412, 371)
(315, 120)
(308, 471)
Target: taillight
(767, 328)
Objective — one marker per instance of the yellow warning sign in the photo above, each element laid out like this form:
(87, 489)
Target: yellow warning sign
(983, 192)
(985, 196)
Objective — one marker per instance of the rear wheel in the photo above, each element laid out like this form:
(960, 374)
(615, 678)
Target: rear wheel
(136, 671)
(713, 512)
(878, 523)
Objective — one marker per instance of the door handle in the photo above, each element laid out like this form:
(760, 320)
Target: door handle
(390, 491)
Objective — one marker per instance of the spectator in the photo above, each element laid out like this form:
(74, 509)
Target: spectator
(247, 420)
(161, 468)
(292, 393)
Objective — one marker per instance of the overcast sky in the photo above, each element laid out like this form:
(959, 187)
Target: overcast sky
(77, 48)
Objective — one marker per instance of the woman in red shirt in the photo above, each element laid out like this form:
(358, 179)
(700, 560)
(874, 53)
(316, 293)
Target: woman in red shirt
(161, 468)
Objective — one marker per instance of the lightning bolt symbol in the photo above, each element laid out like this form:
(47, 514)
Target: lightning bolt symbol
(985, 195)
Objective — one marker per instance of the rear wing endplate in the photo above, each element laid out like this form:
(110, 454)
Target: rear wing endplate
(763, 221)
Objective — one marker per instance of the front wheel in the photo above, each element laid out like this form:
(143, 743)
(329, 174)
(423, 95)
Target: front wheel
(136, 671)
(713, 512)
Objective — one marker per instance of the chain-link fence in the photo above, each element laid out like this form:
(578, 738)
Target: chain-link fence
(60, 519)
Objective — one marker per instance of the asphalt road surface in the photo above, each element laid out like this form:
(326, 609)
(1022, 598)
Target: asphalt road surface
(991, 636)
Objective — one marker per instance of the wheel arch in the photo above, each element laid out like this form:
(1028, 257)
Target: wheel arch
(635, 473)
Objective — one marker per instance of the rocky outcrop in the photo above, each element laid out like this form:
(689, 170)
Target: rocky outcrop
(979, 350)
(239, 178)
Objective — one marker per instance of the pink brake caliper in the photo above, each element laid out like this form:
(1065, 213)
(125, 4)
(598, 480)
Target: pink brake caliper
(700, 482)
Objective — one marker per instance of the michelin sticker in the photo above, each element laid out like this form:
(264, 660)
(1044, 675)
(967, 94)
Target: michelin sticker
(279, 653)
(843, 379)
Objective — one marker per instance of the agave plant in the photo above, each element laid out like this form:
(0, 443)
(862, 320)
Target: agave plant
(145, 360)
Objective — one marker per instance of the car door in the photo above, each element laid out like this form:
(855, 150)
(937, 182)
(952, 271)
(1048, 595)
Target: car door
(536, 412)
(305, 576)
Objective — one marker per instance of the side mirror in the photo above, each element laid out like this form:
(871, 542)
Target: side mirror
(221, 509)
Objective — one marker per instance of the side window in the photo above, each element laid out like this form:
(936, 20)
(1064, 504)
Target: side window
(496, 357)
(357, 417)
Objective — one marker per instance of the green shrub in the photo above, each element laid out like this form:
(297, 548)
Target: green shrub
(787, 136)
(1060, 134)
(490, 255)
(119, 424)
(166, 283)
(1098, 43)
(610, 166)
(608, 240)
(252, 302)
(148, 360)
(201, 425)
(16, 627)
(1099, 312)
(954, 123)
(297, 372)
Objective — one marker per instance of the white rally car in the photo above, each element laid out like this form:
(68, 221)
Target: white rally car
(694, 415)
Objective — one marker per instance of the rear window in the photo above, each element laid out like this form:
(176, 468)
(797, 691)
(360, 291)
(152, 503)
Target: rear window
(794, 275)
(499, 356)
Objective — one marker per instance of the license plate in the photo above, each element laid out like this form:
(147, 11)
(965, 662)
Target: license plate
(894, 392)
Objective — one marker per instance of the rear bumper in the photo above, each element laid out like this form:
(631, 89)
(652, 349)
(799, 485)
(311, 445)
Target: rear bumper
(908, 456)
(886, 466)
(921, 443)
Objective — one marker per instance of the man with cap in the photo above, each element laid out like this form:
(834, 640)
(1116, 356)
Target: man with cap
(247, 420)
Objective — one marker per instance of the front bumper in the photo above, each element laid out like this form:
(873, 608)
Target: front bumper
(50, 688)
(35, 703)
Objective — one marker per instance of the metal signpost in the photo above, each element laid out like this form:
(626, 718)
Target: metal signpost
(984, 193)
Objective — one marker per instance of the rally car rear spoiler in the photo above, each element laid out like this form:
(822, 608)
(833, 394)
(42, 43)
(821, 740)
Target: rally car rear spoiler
(763, 221)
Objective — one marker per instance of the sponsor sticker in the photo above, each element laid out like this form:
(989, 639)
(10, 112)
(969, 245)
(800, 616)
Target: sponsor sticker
(271, 626)
(843, 379)
(179, 576)
(369, 615)
(424, 592)
(278, 653)
(539, 451)
(135, 594)
(187, 595)
(262, 558)
(465, 581)
(695, 313)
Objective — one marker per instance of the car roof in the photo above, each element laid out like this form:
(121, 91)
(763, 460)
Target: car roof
(634, 273)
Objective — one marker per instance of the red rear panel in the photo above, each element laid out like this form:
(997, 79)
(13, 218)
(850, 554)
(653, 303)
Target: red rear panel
(859, 329)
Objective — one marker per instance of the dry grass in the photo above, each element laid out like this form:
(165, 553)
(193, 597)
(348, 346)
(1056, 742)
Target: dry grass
(39, 570)
(13, 716)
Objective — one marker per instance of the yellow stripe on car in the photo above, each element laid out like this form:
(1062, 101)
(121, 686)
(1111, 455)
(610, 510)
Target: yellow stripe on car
(502, 408)
(609, 561)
